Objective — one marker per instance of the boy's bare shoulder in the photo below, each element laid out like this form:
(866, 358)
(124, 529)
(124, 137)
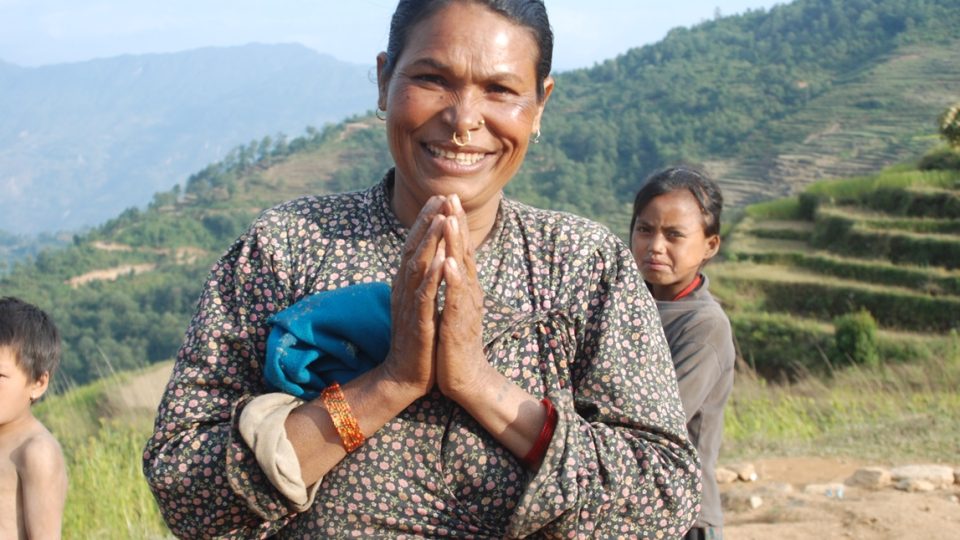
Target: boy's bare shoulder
(39, 451)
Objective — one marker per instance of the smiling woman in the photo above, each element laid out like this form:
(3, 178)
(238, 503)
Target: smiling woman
(512, 380)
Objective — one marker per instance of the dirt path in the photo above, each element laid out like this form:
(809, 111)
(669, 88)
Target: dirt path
(788, 513)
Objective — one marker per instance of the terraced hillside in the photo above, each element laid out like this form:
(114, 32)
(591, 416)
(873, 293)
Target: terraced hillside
(887, 245)
(865, 122)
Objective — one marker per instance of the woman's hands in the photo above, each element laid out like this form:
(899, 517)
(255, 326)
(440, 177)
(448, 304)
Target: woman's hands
(461, 364)
(428, 347)
(413, 302)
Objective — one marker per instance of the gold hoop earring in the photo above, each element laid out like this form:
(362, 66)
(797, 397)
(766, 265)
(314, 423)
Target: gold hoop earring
(460, 142)
(536, 138)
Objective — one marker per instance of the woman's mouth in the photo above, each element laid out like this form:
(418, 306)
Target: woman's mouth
(462, 158)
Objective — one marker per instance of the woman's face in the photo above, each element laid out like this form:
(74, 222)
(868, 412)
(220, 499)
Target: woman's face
(463, 70)
(669, 243)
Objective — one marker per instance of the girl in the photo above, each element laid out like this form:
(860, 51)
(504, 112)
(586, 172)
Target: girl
(675, 231)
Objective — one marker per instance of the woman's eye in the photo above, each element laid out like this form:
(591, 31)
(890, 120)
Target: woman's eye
(429, 78)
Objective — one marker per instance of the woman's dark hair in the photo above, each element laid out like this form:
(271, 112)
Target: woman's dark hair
(29, 332)
(531, 14)
(702, 187)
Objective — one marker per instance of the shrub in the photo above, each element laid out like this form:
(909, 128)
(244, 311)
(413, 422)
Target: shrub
(894, 309)
(944, 159)
(808, 205)
(779, 347)
(855, 339)
(909, 202)
(842, 235)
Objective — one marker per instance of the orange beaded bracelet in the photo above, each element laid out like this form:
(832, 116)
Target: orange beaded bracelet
(342, 416)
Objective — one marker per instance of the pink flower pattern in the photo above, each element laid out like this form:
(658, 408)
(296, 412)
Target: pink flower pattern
(567, 317)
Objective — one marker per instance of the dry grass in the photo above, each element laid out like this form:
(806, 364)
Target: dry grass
(895, 412)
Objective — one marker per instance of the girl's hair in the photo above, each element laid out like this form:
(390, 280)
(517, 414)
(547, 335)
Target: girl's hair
(29, 332)
(531, 14)
(702, 187)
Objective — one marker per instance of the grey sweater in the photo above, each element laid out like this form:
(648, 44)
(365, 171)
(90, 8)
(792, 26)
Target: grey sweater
(701, 343)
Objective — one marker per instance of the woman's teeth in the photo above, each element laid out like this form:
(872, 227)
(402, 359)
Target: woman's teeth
(461, 158)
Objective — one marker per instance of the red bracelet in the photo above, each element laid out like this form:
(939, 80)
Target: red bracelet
(343, 419)
(539, 449)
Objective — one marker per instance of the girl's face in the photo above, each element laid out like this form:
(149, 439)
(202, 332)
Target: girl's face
(464, 70)
(669, 243)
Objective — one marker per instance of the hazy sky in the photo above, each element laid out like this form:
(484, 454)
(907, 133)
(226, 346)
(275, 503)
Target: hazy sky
(38, 32)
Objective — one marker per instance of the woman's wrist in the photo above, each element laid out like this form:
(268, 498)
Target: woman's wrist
(476, 390)
(396, 383)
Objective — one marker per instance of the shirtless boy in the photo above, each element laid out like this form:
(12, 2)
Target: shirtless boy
(33, 478)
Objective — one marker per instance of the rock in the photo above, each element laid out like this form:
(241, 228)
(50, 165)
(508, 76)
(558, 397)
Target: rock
(775, 489)
(870, 478)
(738, 501)
(940, 476)
(956, 476)
(832, 490)
(726, 476)
(914, 485)
(953, 499)
(745, 471)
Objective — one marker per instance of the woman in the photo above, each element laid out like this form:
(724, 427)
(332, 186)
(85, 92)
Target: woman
(527, 389)
(675, 232)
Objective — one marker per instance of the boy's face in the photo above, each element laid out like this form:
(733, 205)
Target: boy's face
(17, 391)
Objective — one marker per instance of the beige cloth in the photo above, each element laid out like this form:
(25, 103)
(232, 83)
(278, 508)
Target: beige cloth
(262, 427)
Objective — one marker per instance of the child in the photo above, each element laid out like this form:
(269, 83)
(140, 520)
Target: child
(675, 231)
(33, 478)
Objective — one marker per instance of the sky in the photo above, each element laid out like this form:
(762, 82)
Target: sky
(41, 32)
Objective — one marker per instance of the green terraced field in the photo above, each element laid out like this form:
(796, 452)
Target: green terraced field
(888, 244)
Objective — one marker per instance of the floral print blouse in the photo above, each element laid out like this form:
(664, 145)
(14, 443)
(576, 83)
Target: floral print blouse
(567, 317)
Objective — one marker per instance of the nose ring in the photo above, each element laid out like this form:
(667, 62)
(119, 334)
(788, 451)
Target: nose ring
(461, 142)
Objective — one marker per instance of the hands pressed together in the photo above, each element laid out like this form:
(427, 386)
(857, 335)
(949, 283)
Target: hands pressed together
(429, 345)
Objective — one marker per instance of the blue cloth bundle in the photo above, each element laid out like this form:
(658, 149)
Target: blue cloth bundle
(327, 337)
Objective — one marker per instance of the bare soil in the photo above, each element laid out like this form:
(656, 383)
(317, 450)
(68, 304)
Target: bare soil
(788, 513)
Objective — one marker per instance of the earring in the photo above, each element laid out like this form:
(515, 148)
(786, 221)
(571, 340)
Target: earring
(536, 138)
(381, 115)
(461, 142)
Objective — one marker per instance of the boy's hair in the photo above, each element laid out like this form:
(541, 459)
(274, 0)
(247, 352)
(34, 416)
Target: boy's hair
(31, 334)
(702, 187)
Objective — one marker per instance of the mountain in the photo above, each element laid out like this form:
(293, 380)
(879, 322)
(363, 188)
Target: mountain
(81, 142)
(767, 101)
(726, 94)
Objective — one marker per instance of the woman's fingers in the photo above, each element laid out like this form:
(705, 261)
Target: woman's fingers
(460, 359)
(414, 299)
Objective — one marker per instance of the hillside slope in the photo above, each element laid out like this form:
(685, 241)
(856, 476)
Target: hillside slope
(877, 255)
(81, 142)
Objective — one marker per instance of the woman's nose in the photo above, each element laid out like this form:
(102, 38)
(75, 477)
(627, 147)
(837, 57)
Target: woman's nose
(465, 113)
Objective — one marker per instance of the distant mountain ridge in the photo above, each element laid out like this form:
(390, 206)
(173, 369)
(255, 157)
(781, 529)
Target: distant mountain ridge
(81, 142)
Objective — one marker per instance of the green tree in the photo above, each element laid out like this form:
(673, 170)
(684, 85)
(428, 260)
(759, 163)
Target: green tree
(950, 126)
